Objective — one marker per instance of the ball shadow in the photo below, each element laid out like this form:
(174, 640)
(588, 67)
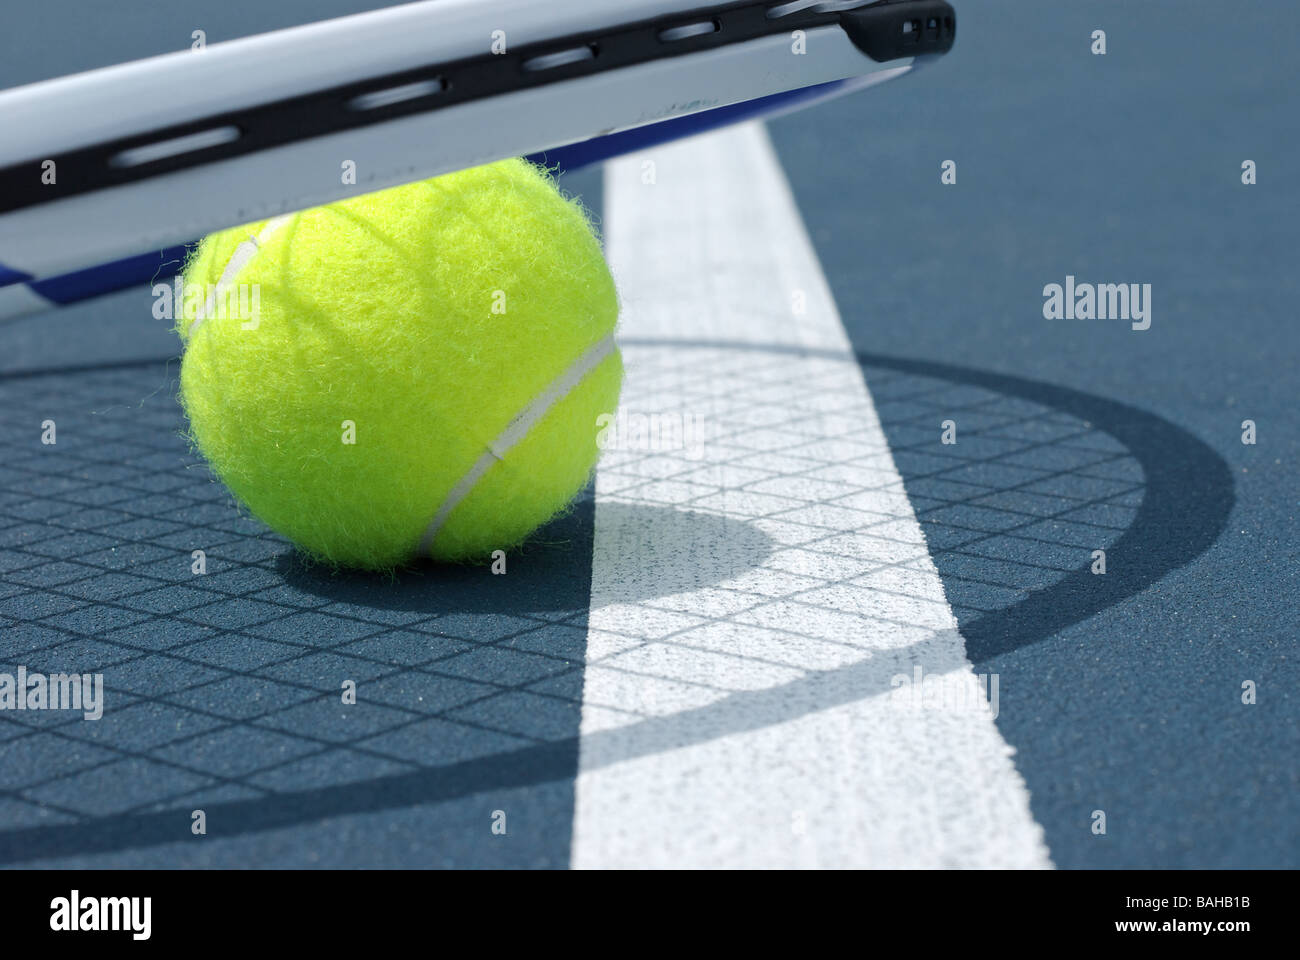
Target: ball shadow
(645, 551)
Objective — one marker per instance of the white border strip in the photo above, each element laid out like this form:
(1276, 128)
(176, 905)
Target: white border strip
(756, 600)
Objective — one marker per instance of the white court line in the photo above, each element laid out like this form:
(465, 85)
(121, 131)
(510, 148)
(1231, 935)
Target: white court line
(755, 595)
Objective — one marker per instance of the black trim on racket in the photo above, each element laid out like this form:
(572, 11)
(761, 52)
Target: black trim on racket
(885, 30)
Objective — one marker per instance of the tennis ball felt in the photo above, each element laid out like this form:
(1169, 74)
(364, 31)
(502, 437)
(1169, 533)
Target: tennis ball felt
(414, 372)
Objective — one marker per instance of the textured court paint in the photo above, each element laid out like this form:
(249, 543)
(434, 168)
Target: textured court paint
(780, 647)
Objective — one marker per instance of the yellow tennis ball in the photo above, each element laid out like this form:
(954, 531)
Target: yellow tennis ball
(412, 373)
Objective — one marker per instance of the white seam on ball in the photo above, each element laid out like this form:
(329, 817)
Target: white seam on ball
(238, 260)
(515, 431)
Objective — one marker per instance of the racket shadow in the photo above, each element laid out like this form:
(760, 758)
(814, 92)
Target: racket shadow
(1040, 477)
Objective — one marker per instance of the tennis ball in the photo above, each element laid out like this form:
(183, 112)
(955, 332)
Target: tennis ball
(412, 373)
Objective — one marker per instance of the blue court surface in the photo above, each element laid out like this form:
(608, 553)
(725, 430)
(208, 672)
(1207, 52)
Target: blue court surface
(713, 659)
